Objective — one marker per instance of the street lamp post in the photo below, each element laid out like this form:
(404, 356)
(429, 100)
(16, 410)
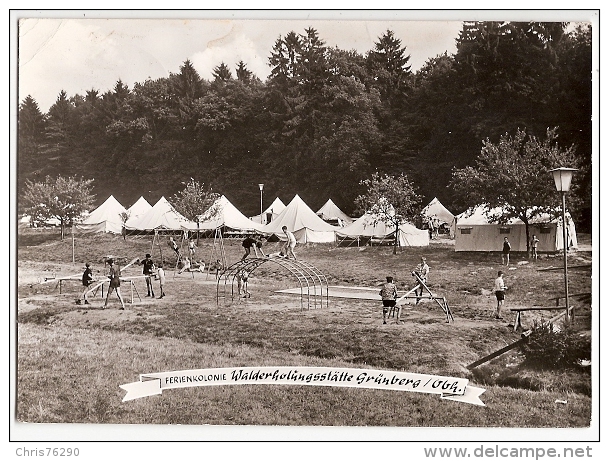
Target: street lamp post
(261, 186)
(562, 180)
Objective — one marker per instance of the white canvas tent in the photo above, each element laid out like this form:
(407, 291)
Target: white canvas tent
(331, 213)
(270, 213)
(225, 214)
(162, 216)
(105, 218)
(139, 208)
(303, 222)
(473, 232)
(366, 229)
(24, 221)
(436, 210)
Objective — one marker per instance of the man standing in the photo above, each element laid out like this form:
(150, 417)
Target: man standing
(148, 271)
(422, 271)
(499, 293)
(505, 255)
(290, 244)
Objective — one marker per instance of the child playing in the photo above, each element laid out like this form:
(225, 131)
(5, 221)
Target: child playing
(242, 277)
(115, 284)
(389, 294)
(422, 271)
(191, 249)
(87, 279)
(160, 273)
(534, 242)
(499, 294)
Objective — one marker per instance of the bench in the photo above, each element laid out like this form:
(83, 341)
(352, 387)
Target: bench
(520, 310)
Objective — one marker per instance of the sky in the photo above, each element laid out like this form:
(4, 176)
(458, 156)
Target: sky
(77, 52)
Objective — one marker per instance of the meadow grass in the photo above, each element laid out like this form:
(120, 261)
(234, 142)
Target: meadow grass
(72, 360)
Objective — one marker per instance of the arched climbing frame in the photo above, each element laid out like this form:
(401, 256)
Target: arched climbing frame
(313, 282)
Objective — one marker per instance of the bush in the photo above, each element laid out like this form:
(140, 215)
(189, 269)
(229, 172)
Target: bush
(550, 349)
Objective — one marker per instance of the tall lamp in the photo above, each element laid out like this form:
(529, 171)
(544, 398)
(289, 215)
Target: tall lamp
(261, 186)
(562, 180)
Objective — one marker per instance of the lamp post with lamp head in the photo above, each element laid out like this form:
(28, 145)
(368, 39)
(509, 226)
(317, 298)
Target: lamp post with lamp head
(261, 186)
(562, 180)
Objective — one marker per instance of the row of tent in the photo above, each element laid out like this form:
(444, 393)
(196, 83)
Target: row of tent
(471, 229)
(329, 213)
(297, 216)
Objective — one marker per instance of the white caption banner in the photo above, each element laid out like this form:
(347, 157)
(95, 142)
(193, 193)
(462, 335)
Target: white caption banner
(447, 387)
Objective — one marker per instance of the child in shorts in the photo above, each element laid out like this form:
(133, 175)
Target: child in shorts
(389, 294)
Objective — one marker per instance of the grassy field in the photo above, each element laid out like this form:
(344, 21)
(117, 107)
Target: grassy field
(72, 358)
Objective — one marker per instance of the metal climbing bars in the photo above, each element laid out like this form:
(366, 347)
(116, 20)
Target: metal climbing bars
(313, 283)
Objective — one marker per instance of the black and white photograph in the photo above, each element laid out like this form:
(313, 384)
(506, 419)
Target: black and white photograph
(305, 226)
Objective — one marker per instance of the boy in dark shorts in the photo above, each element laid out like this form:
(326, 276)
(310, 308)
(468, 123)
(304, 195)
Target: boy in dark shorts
(534, 242)
(499, 294)
(389, 294)
(115, 284)
(148, 271)
(87, 279)
(191, 249)
(249, 243)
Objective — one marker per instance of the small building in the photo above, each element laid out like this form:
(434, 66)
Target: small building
(474, 232)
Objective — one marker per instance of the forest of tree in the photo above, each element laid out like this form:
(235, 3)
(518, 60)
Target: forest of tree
(324, 120)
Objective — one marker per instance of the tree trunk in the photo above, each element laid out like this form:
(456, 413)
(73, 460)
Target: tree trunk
(527, 232)
(62, 225)
(396, 238)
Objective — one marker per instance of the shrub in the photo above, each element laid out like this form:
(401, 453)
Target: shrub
(550, 349)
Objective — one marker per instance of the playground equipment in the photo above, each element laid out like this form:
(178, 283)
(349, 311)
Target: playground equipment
(217, 258)
(313, 282)
(429, 295)
(128, 279)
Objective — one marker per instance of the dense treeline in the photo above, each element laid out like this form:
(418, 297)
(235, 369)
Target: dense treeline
(324, 119)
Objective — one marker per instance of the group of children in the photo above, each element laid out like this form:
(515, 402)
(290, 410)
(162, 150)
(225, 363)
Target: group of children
(184, 264)
(507, 248)
(115, 284)
(149, 270)
(389, 291)
(287, 250)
